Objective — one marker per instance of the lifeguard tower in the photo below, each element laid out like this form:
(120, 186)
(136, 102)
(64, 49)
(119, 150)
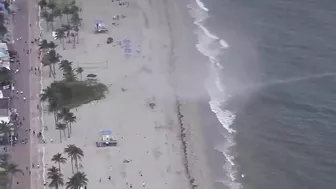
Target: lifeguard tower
(100, 27)
(106, 139)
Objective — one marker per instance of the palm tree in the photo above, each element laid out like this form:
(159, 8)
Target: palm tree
(54, 58)
(74, 153)
(78, 180)
(53, 171)
(66, 11)
(69, 75)
(79, 71)
(62, 115)
(5, 128)
(76, 29)
(68, 117)
(73, 35)
(44, 14)
(65, 65)
(71, 119)
(50, 20)
(67, 28)
(52, 45)
(51, 5)
(60, 34)
(53, 107)
(61, 127)
(56, 178)
(58, 158)
(74, 8)
(43, 45)
(11, 169)
(46, 62)
(42, 4)
(57, 12)
(49, 94)
(75, 19)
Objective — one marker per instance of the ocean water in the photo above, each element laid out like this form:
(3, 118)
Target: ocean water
(272, 87)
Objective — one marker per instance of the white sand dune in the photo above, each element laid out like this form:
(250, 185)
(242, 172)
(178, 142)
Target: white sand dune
(148, 137)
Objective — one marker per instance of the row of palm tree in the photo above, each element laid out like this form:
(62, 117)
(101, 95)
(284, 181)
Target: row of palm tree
(50, 11)
(63, 117)
(78, 180)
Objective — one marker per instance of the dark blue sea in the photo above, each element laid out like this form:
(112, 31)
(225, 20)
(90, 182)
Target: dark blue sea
(272, 85)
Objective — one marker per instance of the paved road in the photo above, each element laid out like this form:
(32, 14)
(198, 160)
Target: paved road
(25, 155)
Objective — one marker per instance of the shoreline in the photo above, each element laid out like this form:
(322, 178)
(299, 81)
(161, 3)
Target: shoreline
(183, 140)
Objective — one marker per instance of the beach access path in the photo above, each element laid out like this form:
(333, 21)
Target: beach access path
(27, 81)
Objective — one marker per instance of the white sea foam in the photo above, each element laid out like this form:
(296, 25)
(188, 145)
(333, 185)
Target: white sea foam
(212, 46)
(201, 5)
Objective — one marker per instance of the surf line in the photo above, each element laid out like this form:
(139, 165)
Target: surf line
(184, 144)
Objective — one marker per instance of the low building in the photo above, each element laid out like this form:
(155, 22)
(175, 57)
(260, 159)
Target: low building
(5, 110)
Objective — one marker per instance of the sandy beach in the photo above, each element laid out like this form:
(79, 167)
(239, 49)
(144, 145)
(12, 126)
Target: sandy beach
(153, 72)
